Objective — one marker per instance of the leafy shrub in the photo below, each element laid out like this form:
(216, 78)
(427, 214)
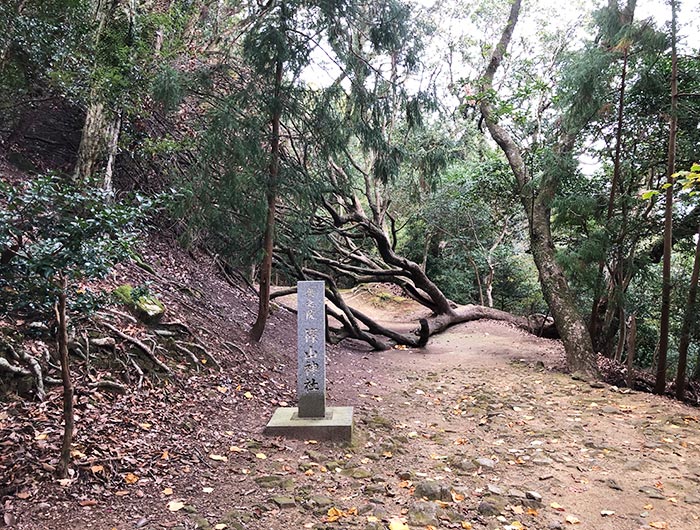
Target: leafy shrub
(51, 229)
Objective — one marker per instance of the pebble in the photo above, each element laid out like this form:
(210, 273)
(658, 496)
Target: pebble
(692, 499)
(542, 461)
(485, 462)
(422, 514)
(652, 493)
(320, 500)
(488, 508)
(516, 493)
(284, 502)
(612, 483)
(533, 495)
(433, 491)
(494, 489)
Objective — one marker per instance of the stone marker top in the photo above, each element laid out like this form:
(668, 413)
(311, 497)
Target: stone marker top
(311, 348)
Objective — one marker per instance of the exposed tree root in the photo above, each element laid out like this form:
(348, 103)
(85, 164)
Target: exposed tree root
(141, 346)
(192, 357)
(137, 369)
(111, 386)
(34, 368)
(236, 349)
(202, 349)
(11, 368)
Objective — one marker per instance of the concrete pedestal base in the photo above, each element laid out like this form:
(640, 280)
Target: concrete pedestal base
(336, 426)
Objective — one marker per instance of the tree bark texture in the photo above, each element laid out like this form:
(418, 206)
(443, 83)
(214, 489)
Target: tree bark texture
(98, 145)
(64, 461)
(687, 326)
(660, 385)
(537, 203)
(631, 349)
(100, 136)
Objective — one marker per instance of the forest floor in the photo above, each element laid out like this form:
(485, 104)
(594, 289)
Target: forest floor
(479, 430)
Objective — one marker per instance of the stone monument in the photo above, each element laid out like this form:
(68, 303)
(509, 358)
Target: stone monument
(311, 419)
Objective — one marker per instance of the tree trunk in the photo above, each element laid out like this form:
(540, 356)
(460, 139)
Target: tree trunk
(622, 339)
(599, 301)
(100, 135)
(688, 321)
(631, 349)
(98, 145)
(64, 461)
(660, 386)
(577, 342)
(580, 356)
(268, 245)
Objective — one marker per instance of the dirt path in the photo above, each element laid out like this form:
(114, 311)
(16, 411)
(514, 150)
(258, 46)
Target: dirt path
(477, 431)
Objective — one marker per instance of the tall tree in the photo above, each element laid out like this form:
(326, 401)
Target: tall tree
(277, 58)
(537, 198)
(660, 385)
(688, 320)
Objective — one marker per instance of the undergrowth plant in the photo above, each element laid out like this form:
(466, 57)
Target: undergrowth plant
(50, 230)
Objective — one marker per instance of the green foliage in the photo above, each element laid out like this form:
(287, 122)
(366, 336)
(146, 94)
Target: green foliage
(49, 229)
(38, 42)
(462, 219)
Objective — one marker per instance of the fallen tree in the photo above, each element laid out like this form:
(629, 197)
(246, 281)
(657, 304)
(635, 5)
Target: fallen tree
(358, 246)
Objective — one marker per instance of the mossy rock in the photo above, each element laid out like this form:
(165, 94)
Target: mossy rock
(148, 308)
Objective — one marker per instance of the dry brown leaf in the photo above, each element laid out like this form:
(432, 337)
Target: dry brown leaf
(397, 524)
(557, 506)
(261, 456)
(218, 458)
(236, 449)
(23, 495)
(466, 525)
(97, 469)
(659, 524)
(607, 513)
(531, 511)
(168, 491)
(572, 519)
(121, 493)
(457, 497)
(333, 514)
(176, 505)
(130, 478)
(220, 526)
(207, 490)
(88, 502)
